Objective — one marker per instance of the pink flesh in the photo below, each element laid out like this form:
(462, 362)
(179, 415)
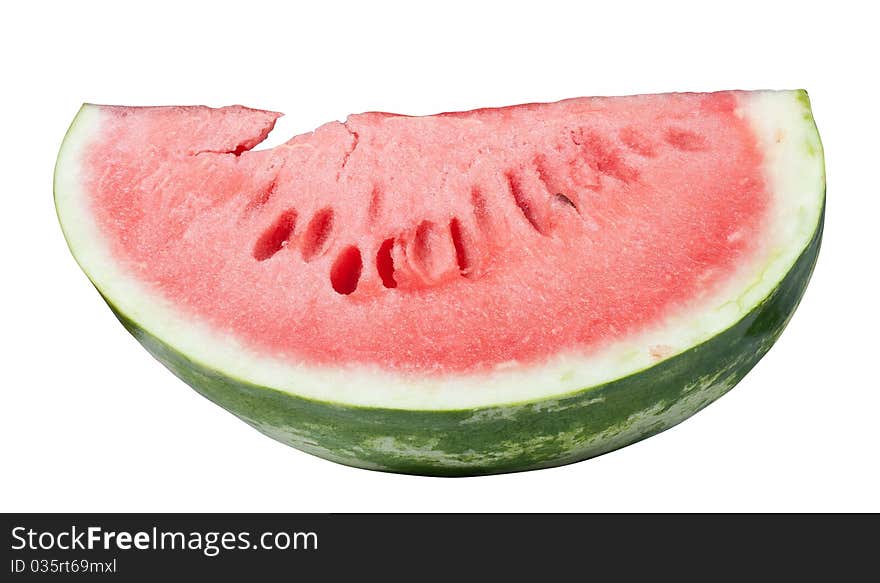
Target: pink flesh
(433, 244)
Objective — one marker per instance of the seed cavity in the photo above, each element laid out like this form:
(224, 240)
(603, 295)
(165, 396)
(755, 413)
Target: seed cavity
(481, 211)
(561, 198)
(262, 196)
(375, 204)
(276, 236)
(685, 140)
(637, 142)
(346, 270)
(599, 153)
(317, 234)
(462, 255)
(540, 164)
(522, 201)
(422, 243)
(385, 263)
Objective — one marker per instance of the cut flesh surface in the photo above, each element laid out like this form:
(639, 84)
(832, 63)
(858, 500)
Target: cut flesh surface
(448, 261)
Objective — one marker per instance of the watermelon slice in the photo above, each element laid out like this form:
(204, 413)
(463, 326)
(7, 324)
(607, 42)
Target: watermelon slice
(465, 293)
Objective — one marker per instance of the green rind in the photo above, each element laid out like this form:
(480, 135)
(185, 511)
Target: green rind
(512, 437)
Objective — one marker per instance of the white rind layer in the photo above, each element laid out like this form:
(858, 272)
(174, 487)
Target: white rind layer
(794, 171)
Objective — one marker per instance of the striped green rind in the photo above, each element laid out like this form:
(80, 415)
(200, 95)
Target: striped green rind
(510, 437)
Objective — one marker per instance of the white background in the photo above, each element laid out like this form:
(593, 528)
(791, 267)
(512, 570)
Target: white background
(89, 422)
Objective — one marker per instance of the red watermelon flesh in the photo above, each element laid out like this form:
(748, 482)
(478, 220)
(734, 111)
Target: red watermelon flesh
(439, 244)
